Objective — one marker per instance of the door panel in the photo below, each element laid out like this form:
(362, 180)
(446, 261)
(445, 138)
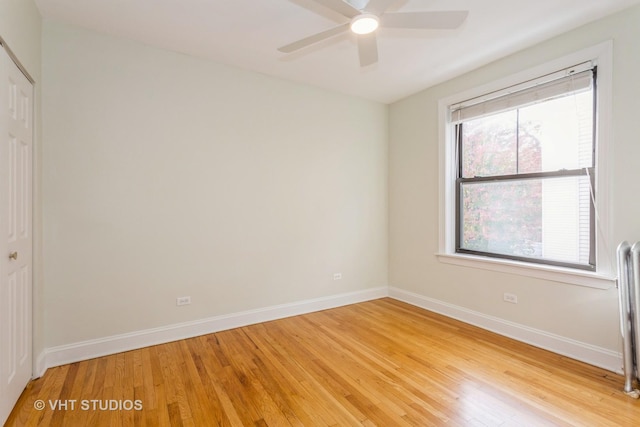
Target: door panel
(16, 147)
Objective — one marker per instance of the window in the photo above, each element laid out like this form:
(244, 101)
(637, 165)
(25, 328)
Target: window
(525, 169)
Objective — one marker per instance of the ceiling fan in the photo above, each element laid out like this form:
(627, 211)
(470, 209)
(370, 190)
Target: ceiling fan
(365, 18)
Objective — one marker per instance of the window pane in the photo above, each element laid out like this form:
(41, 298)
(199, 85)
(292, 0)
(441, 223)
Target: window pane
(489, 145)
(547, 136)
(537, 218)
(556, 134)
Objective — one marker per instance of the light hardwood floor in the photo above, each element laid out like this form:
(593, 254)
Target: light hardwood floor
(382, 363)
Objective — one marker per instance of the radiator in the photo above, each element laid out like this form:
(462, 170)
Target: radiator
(629, 298)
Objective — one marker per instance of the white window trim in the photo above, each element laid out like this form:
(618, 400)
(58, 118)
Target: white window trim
(604, 277)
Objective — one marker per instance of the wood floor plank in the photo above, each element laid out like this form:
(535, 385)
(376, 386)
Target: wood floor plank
(377, 363)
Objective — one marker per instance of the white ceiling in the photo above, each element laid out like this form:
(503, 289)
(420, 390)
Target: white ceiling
(246, 33)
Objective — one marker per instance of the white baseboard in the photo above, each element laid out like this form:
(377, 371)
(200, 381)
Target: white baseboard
(70, 353)
(84, 350)
(584, 352)
(39, 365)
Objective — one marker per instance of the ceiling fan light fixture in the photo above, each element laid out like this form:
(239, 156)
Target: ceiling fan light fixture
(365, 23)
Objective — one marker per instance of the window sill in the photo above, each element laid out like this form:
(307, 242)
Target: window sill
(555, 274)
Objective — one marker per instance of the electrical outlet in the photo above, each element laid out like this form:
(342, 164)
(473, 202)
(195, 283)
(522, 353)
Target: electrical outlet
(337, 276)
(512, 298)
(183, 300)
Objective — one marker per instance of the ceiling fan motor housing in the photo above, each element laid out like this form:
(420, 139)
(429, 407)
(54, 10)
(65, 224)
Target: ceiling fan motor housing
(365, 23)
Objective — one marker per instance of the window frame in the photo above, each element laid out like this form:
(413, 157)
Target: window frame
(588, 172)
(602, 275)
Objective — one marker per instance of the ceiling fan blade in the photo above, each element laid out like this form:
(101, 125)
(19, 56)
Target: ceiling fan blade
(340, 6)
(307, 41)
(426, 20)
(367, 49)
(378, 7)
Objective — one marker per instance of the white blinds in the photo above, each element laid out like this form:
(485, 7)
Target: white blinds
(563, 82)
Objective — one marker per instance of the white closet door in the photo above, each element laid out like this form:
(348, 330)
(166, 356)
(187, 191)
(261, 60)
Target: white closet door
(16, 146)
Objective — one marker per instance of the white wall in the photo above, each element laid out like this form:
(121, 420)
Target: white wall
(20, 27)
(167, 176)
(578, 313)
